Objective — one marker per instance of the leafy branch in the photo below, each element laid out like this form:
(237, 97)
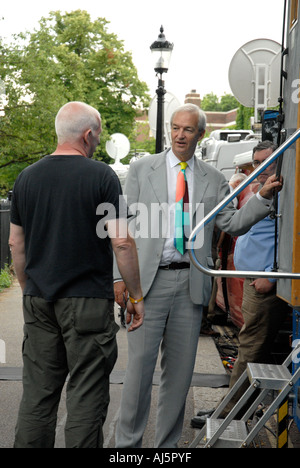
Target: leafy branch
(69, 57)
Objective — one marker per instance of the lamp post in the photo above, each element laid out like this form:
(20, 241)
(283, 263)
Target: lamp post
(161, 50)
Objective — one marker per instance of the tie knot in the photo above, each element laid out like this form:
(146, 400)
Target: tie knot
(183, 166)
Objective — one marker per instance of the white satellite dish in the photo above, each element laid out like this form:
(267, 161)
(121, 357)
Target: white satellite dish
(254, 74)
(170, 105)
(117, 147)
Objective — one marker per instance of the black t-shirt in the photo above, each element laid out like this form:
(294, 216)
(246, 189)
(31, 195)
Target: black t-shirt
(56, 201)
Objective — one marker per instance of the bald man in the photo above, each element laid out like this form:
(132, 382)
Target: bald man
(62, 247)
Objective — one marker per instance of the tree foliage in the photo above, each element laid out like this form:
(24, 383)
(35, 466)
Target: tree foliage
(243, 120)
(212, 103)
(68, 58)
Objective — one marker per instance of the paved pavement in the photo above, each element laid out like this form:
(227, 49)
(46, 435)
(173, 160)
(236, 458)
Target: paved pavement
(205, 391)
(11, 332)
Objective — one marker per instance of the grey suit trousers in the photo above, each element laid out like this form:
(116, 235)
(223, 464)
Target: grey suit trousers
(172, 321)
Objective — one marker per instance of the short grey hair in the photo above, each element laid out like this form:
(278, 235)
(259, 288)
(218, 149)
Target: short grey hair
(73, 119)
(238, 177)
(193, 109)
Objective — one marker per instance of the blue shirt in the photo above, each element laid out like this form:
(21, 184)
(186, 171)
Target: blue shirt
(254, 251)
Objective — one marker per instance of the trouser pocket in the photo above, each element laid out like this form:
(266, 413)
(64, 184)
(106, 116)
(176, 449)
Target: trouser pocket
(96, 330)
(91, 315)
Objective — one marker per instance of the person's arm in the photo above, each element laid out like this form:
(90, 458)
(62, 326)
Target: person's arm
(127, 259)
(17, 246)
(238, 222)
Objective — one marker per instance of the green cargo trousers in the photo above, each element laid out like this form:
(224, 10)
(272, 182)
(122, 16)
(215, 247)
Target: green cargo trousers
(75, 337)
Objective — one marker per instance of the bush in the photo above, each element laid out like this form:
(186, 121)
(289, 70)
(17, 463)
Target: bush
(5, 278)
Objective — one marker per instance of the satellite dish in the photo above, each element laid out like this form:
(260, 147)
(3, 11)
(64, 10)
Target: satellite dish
(117, 147)
(254, 74)
(170, 105)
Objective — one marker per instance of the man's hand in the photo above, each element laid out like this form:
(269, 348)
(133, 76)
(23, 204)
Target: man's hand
(262, 285)
(121, 293)
(134, 312)
(271, 184)
(135, 315)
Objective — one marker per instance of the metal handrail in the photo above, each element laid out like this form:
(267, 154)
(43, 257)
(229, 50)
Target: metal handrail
(233, 273)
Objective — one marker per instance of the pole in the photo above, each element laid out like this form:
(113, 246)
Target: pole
(160, 120)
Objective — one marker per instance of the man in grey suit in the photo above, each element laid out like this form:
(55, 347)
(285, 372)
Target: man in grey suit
(174, 290)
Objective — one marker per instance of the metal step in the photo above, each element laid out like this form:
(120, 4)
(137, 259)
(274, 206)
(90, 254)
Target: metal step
(270, 376)
(232, 437)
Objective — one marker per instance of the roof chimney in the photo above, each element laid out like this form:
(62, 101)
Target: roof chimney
(193, 98)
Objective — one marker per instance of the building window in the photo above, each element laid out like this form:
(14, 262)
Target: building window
(294, 13)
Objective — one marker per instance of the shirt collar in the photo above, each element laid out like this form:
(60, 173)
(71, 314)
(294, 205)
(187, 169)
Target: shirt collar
(174, 161)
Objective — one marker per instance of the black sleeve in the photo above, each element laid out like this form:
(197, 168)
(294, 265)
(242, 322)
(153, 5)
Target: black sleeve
(14, 212)
(113, 195)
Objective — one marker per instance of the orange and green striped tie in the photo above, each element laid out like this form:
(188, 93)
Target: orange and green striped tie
(182, 218)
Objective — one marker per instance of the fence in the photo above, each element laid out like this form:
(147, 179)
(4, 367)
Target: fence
(5, 256)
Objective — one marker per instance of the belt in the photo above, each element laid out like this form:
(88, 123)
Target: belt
(175, 266)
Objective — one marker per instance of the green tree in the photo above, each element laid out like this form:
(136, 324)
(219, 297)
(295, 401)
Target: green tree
(210, 103)
(228, 103)
(68, 58)
(243, 120)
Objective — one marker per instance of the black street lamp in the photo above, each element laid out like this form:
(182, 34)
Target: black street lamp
(162, 51)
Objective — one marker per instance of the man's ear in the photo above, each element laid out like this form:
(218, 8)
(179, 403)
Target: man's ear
(86, 136)
(201, 135)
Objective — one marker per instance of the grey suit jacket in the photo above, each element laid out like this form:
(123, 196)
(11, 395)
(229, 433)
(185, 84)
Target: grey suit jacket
(147, 192)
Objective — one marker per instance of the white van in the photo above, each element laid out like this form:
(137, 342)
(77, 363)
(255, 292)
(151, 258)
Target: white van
(222, 146)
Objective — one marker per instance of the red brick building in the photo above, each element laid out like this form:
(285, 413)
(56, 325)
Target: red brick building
(215, 120)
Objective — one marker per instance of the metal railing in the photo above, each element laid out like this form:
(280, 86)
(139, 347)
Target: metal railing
(233, 273)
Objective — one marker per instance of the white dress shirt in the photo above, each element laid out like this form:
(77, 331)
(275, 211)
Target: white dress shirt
(170, 253)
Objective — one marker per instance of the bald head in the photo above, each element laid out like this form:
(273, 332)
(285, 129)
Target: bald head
(74, 119)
